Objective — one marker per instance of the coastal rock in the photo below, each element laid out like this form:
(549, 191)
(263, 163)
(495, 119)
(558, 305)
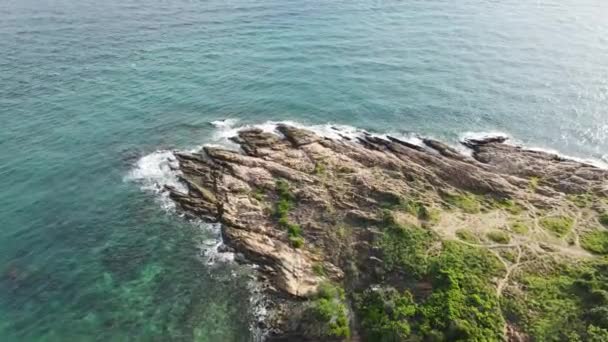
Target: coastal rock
(306, 207)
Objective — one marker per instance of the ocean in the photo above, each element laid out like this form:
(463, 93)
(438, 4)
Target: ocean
(94, 96)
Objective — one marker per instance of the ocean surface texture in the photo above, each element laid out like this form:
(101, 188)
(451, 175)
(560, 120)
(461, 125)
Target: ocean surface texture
(95, 94)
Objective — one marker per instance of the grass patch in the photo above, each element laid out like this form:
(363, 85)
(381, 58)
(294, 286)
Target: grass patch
(533, 183)
(596, 242)
(581, 200)
(319, 169)
(519, 228)
(420, 210)
(258, 194)
(508, 205)
(558, 225)
(562, 302)
(330, 312)
(284, 205)
(467, 235)
(319, 270)
(468, 203)
(508, 254)
(499, 236)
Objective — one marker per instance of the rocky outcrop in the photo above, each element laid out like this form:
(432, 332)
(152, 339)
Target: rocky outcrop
(339, 190)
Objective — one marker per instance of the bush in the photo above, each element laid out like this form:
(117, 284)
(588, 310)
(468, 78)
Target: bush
(296, 241)
(558, 225)
(596, 242)
(563, 302)
(467, 235)
(384, 314)
(329, 309)
(404, 247)
(462, 305)
(498, 236)
(604, 219)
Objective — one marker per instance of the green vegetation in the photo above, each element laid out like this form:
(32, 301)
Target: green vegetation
(420, 210)
(385, 314)
(558, 225)
(519, 227)
(507, 204)
(564, 302)
(319, 270)
(581, 200)
(498, 236)
(467, 235)
(258, 194)
(284, 205)
(330, 312)
(596, 242)
(468, 203)
(533, 183)
(404, 247)
(604, 219)
(319, 168)
(508, 254)
(461, 307)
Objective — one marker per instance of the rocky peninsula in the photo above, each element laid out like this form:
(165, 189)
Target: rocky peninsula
(378, 239)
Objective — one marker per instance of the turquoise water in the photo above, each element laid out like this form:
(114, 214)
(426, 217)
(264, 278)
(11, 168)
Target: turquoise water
(89, 251)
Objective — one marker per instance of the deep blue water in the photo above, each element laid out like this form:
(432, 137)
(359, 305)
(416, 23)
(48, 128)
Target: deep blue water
(89, 252)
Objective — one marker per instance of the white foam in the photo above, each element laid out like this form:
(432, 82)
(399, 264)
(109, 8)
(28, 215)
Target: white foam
(155, 170)
(483, 135)
(599, 163)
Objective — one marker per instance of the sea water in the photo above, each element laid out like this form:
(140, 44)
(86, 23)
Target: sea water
(95, 96)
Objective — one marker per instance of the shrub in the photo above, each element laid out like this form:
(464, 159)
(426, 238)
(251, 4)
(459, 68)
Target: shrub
(319, 270)
(498, 236)
(604, 219)
(296, 241)
(404, 247)
(467, 235)
(558, 225)
(563, 302)
(384, 314)
(596, 242)
(330, 310)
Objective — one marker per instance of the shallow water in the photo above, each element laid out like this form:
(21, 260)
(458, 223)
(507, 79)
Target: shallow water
(88, 248)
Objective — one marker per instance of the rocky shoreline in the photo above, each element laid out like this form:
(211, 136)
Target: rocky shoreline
(353, 236)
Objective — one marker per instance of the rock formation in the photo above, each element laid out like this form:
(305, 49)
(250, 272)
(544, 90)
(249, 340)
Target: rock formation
(310, 210)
